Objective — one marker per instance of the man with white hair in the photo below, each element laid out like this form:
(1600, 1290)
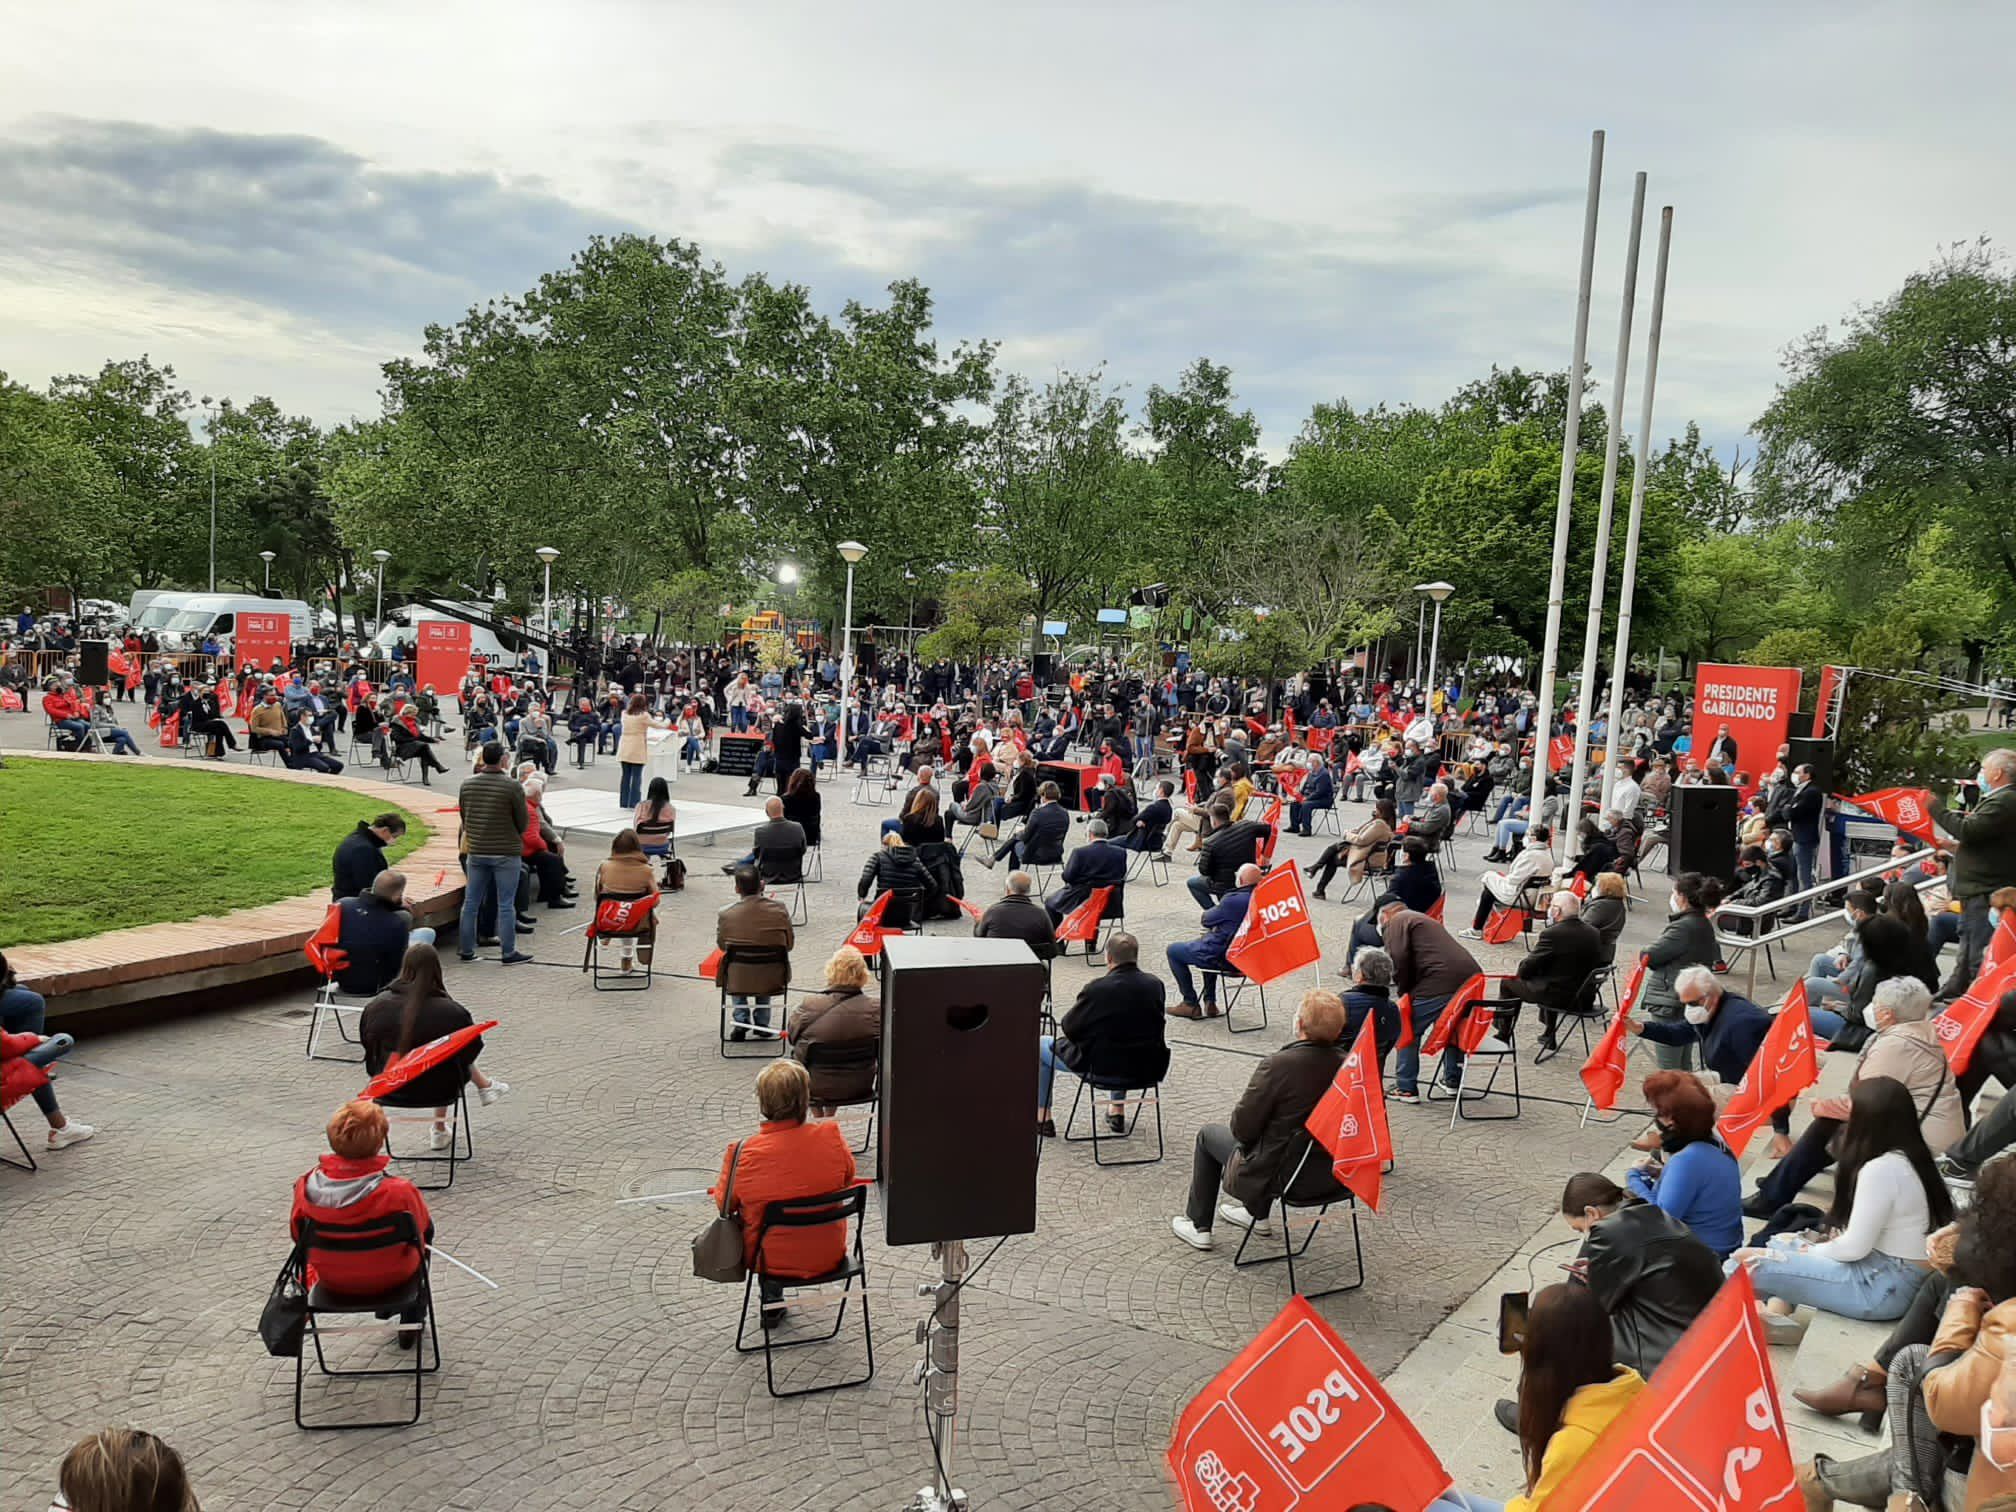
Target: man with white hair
(1905, 1048)
(1983, 860)
(1432, 816)
(1319, 792)
(1221, 922)
(1558, 972)
(1726, 1025)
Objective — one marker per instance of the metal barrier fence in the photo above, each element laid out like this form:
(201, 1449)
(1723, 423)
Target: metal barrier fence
(1756, 942)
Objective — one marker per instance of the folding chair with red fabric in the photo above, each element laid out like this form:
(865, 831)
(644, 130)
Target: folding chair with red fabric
(328, 958)
(19, 1077)
(1484, 1027)
(621, 919)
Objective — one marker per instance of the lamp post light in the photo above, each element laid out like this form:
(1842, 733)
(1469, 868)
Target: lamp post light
(787, 574)
(210, 428)
(546, 554)
(1420, 637)
(850, 552)
(381, 557)
(267, 558)
(1437, 591)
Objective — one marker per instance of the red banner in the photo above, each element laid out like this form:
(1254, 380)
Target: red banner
(1830, 677)
(1296, 1421)
(1349, 1121)
(1560, 753)
(2001, 944)
(1756, 703)
(1786, 1064)
(1276, 936)
(1505, 925)
(1452, 1023)
(710, 964)
(867, 935)
(1706, 1433)
(262, 639)
(1082, 923)
(441, 654)
(1909, 809)
(1967, 1018)
(1603, 1073)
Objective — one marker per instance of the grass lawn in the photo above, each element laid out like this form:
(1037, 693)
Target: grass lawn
(91, 846)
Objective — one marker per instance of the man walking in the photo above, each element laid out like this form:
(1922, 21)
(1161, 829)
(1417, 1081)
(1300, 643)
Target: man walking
(494, 819)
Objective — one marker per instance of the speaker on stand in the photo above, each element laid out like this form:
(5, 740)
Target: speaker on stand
(94, 663)
(1701, 832)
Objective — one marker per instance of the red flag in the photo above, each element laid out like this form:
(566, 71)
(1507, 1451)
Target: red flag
(1190, 785)
(1560, 752)
(620, 916)
(321, 947)
(2001, 944)
(710, 967)
(1706, 1432)
(867, 935)
(1473, 1033)
(1909, 809)
(1349, 1121)
(1276, 936)
(1082, 923)
(404, 1068)
(971, 910)
(1296, 1421)
(1580, 886)
(1967, 1018)
(171, 729)
(1291, 780)
(1786, 1064)
(1435, 909)
(1603, 1073)
(1290, 726)
(1505, 925)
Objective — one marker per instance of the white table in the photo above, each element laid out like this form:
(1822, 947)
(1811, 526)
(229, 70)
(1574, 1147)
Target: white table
(595, 811)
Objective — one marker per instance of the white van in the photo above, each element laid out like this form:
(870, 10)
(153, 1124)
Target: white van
(399, 625)
(216, 614)
(152, 609)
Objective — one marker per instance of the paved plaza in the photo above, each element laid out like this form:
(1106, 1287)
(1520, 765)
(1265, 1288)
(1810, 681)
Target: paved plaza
(600, 1373)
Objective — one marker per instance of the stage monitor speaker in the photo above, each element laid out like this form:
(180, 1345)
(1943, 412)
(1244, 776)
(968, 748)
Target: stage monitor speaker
(1702, 831)
(956, 1157)
(94, 663)
(1802, 750)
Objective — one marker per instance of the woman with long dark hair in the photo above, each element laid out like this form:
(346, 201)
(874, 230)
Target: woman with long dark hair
(801, 802)
(414, 1010)
(1570, 1389)
(1888, 1196)
(655, 819)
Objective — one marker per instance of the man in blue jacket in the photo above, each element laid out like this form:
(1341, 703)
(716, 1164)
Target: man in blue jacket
(1221, 923)
(1319, 792)
(1097, 863)
(1727, 1025)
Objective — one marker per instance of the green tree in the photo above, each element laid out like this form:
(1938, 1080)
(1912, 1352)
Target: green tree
(59, 514)
(984, 614)
(130, 414)
(1896, 732)
(1203, 482)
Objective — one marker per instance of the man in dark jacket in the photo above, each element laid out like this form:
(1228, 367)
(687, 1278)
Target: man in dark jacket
(1984, 860)
(777, 849)
(1727, 1026)
(1096, 863)
(1152, 823)
(494, 820)
(1319, 792)
(1257, 1154)
(1557, 972)
(1221, 922)
(373, 931)
(1112, 1036)
(1429, 965)
(1803, 813)
(754, 922)
(1018, 916)
(1222, 855)
(361, 854)
(1039, 840)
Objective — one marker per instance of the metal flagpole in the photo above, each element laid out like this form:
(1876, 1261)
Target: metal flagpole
(1620, 659)
(1599, 567)
(1557, 584)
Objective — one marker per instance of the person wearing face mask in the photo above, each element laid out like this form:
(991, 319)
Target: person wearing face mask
(1693, 1176)
(1984, 858)
(1687, 940)
(1904, 1047)
(1727, 1026)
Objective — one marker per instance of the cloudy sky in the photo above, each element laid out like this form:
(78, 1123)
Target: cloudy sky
(1336, 199)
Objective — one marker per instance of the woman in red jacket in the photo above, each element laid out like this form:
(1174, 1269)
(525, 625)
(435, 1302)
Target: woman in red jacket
(350, 1185)
(787, 1157)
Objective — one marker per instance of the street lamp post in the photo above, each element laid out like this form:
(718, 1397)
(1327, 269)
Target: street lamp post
(1437, 591)
(210, 425)
(381, 557)
(850, 552)
(1420, 637)
(546, 554)
(267, 558)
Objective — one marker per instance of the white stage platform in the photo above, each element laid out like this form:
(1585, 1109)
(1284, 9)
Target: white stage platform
(594, 811)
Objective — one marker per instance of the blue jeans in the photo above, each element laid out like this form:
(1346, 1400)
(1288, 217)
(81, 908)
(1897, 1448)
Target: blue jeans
(1826, 1022)
(1804, 855)
(120, 742)
(492, 877)
(77, 729)
(1877, 1288)
(1407, 1064)
(1505, 807)
(690, 752)
(738, 720)
(1200, 889)
(1046, 1069)
(1453, 1500)
(1508, 831)
(1187, 953)
(760, 1017)
(630, 791)
(24, 1012)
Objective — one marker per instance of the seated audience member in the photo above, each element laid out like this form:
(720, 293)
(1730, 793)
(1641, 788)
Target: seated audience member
(843, 1022)
(1258, 1153)
(1224, 852)
(351, 1185)
(1039, 839)
(1692, 1176)
(1413, 879)
(1371, 991)
(1095, 864)
(1221, 922)
(777, 848)
(1018, 916)
(762, 923)
(1557, 974)
(1726, 1026)
(1887, 1197)
(802, 803)
(1319, 792)
(124, 1470)
(1364, 847)
(111, 734)
(268, 723)
(977, 808)
(416, 1010)
(360, 856)
(1651, 1272)
(408, 742)
(584, 731)
(543, 849)
(1431, 819)
(895, 868)
(1151, 824)
(1598, 853)
(1503, 889)
(1605, 911)
(1571, 1388)
(1905, 1046)
(655, 819)
(788, 1157)
(1429, 967)
(1687, 940)
(301, 754)
(1111, 1036)
(67, 714)
(26, 1052)
(373, 930)
(629, 875)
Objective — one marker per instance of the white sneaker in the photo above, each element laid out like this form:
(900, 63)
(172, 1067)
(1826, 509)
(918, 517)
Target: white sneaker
(1469, 934)
(1190, 1234)
(1235, 1213)
(495, 1092)
(71, 1133)
(440, 1139)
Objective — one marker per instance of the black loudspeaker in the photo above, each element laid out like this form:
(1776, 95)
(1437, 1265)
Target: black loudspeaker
(1041, 670)
(1803, 750)
(1702, 831)
(94, 663)
(957, 1152)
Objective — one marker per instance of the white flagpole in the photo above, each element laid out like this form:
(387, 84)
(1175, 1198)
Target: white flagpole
(1620, 659)
(1599, 567)
(1557, 586)
(435, 1249)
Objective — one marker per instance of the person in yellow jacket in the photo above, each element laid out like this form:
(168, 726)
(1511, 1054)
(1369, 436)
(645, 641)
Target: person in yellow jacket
(1570, 1389)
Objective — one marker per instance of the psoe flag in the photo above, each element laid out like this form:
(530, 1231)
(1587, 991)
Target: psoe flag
(1276, 936)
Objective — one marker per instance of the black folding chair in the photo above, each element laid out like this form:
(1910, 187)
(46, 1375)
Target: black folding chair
(1150, 861)
(638, 977)
(865, 1055)
(808, 1213)
(1105, 1094)
(461, 1139)
(1328, 1197)
(27, 1155)
(1499, 1049)
(1232, 985)
(793, 877)
(1586, 1007)
(395, 1231)
(1378, 867)
(769, 1037)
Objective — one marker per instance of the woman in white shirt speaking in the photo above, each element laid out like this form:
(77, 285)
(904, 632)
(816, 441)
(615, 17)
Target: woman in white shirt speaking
(1887, 1197)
